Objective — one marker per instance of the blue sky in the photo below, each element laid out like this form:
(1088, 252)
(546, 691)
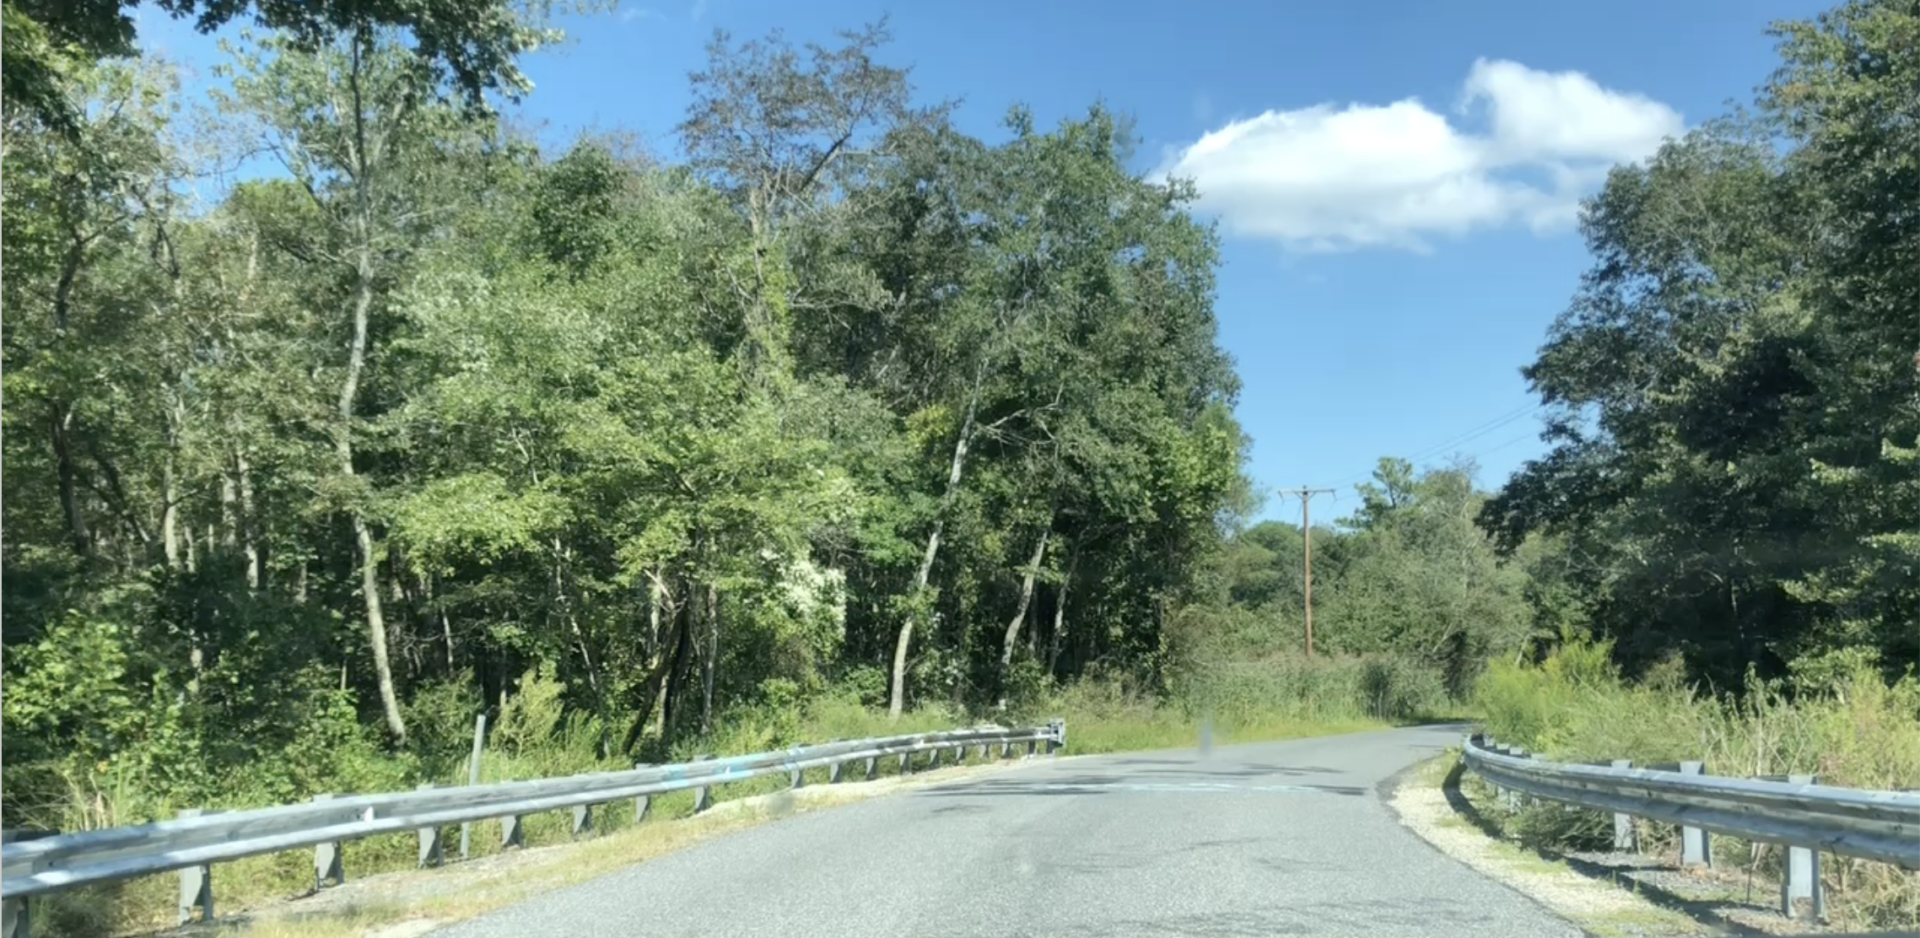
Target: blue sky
(1395, 178)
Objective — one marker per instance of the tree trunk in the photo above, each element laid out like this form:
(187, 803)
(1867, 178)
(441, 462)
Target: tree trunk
(249, 533)
(896, 702)
(229, 525)
(1026, 597)
(1060, 612)
(712, 664)
(169, 513)
(361, 162)
(446, 632)
(377, 627)
(652, 641)
(650, 687)
(60, 423)
(677, 674)
(363, 532)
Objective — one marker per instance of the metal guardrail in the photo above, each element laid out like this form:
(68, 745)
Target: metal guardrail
(192, 843)
(1791, 811)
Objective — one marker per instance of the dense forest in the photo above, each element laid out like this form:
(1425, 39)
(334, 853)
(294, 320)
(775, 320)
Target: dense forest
(847, 397)
(306, 468)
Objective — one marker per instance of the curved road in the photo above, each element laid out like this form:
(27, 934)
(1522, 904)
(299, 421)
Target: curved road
(1287, 838)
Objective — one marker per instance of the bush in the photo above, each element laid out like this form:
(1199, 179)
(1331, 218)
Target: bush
(1837, 718)
(1378, 687)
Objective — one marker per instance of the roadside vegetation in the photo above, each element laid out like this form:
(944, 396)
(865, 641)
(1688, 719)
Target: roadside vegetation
(1726, 536)
(837, 421)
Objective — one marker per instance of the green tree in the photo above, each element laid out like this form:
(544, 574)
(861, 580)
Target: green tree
(1734, 460)
(475, 43)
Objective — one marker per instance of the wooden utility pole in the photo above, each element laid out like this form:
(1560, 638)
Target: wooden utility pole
(1306, 540)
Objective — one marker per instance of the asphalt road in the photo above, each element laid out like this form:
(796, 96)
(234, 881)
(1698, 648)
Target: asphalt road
(1270, 839)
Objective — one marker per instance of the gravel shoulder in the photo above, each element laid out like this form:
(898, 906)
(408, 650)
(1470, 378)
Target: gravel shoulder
(1609, 895)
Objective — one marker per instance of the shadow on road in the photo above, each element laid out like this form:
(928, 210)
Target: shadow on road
(1146, 767)
(1198, 783)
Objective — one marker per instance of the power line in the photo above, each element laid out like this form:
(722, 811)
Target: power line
(1466, 436)
(1477, 432)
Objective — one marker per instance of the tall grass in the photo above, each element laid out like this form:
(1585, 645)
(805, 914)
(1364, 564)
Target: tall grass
(1848, 725)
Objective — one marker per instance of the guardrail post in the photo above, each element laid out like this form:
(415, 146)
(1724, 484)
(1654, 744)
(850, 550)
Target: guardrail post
(196, 884)
(641, 802)
(1696, 847)
(1500, 791)
(906, 763)
(16, 914)
(933, 758)
(327, 861)
(1006, 749)
(833, 773)
(1803, 874)
(959, 753)
(873, 768)
(1058, 740)
(1517, 799)
(985, 752)
(702, 797)
(13, 919)
(430, 850)
(473, 775)
(582, 819)
(1625, 837)
(512, 833)
(1033, 746)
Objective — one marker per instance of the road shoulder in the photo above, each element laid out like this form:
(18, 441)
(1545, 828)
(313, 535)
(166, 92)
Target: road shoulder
(1419, 798)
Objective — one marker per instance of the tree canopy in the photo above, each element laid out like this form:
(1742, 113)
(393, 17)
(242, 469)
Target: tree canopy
(849, 402)
(1735, 476)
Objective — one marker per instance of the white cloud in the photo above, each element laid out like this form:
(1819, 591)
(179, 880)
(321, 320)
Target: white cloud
(629, 14)
(1330, 178)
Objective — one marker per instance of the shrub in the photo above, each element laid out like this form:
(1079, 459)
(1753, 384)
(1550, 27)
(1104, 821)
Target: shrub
(1837, 718)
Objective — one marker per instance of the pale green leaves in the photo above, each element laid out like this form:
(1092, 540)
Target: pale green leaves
(475, 516)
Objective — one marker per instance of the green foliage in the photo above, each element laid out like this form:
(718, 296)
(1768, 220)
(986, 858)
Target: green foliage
(1410, 598)
(1736, 400)
(474, 43)
(1839, 719)
(624, 456)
